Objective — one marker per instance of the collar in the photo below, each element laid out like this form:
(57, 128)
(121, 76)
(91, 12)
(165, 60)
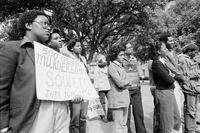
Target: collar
(25, 40)
(130, 58)
(162, 60)
(126, 59)
(117, 63)
(75, 57)
(184, 55)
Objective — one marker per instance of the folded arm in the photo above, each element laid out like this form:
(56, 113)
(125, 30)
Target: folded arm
(159, 69)
(116, 77)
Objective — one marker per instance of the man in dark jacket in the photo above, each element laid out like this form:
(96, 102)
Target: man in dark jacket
(18, 103)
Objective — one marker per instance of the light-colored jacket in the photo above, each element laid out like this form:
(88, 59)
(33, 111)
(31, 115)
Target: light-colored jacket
(118, 96)
(191, 72)
(101, 81)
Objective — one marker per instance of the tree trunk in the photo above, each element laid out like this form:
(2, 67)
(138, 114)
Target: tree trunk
(92, 51)
(83, 53)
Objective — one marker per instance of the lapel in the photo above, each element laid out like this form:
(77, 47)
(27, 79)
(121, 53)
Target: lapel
(28, 45)
(30, 52)
(165, 67)
(116, 63)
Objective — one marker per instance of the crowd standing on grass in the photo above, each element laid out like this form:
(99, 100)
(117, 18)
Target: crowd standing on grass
(174, 75)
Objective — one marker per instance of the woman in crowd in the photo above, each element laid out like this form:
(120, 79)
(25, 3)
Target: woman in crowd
(118, 96)
(171, 62)
(101, 82)
(60, 108)
(78, 110)
(55, 40)
(165, 102)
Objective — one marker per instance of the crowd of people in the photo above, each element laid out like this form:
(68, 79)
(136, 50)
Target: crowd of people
(173, 73)
(174, 79)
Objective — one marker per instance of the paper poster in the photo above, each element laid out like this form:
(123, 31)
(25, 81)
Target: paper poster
(60, 78)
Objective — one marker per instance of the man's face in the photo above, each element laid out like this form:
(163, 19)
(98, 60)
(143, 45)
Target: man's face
(40, 28)
(163, 49)
(120, 57)
(129, 49)
(171, 41)
(192, 53)
(77, 48)
(102, 61)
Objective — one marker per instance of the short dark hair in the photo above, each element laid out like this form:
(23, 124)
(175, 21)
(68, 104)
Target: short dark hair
(72, 43)
(114, 51)
(54, 30)
(163, 37)
(28, 17)
(154, 51)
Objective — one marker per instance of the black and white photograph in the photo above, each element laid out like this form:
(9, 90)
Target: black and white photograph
(99, 66)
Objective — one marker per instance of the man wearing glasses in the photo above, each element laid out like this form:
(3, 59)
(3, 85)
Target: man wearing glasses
(131, 66)
(20, 110)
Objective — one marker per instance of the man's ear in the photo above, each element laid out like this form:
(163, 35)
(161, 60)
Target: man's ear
(28, 26)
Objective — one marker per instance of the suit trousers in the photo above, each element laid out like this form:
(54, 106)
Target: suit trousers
(78, 117)
(120, 119)
(137, 109)
(53, 117)
(103, 95)
(190, 113)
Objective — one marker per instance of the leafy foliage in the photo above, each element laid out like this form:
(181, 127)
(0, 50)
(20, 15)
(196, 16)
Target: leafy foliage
(98, 23)
(181, 19)
(101, 23)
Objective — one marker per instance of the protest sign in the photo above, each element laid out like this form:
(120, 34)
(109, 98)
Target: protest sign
(60, 78)
(95, 108)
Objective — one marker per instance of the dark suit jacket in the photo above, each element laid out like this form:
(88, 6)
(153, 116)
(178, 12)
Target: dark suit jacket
(18, 102)
(161, 76)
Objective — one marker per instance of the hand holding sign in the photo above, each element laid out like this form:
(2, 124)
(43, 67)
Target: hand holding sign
(77, 99)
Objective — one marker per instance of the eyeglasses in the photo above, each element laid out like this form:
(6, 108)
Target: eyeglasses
(44, 24)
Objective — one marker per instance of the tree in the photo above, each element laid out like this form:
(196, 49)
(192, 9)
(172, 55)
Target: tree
(97, 23)
(181, 18)
(188, 13)
(103, 22)
(11, 7)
